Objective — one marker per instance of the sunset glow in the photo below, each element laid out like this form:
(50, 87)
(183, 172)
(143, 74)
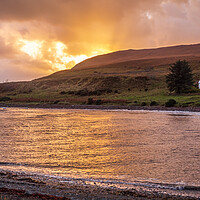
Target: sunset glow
(56, 55)
(41, 36)
(32, 48)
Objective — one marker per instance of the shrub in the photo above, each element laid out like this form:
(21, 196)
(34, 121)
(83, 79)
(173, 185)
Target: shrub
(70, 92)
(63, 92)
(77, 92)
(83, 92)
(86, 92)
(90, 101)
(143, 78)
(98, 102)
(98, 92)
(5, 99)
(56, 102)
(170, 103)
(109, 91)
(143, 104)
(153, 103)
(26, 91)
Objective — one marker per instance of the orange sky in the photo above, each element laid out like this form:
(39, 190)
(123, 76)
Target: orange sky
(39, 37)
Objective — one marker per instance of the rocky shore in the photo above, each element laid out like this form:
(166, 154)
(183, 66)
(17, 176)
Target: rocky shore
(27, 187)
(81, 193)
(103, 107)
(14, 194)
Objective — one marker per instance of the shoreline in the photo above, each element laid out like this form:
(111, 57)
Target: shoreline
(11, 194)
(25, 188)
(15, 194)
(104, 107)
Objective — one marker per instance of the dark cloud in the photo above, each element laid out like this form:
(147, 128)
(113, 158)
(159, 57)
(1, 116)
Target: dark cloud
(87, 26)
(90, 22)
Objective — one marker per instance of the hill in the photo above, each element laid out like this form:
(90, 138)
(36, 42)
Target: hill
(143, 54)
(123, 77)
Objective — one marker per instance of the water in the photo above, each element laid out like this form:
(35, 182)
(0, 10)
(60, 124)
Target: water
(127, 148)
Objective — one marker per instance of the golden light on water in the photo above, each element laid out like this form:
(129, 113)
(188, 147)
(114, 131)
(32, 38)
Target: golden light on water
(107, 145)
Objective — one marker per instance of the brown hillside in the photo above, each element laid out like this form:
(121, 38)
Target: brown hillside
(174, 52)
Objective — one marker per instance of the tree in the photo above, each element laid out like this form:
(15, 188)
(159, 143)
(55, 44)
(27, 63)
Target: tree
(180, 78)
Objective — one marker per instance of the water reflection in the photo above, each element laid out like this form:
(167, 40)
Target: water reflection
(107, 144)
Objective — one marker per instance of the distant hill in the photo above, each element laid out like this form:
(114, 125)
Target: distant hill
(182, 51)
(130, 76)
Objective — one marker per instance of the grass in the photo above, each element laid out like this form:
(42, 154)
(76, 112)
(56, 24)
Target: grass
(130, 85)
(123, 97)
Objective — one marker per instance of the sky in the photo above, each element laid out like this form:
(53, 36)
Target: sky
(39, 37)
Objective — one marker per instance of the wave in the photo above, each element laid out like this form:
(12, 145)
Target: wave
(47, 165)
(103, 181)
(27, 177)
(161, 185)
(12, 164)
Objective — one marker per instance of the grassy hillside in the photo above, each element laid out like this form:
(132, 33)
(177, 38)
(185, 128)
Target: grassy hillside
(130, 82)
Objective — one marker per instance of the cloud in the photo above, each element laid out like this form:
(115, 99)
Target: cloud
(6, 51)
(89, 24)
(14, 70)
(88, 27)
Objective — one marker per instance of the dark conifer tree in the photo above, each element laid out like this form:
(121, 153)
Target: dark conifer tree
(180, 78)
